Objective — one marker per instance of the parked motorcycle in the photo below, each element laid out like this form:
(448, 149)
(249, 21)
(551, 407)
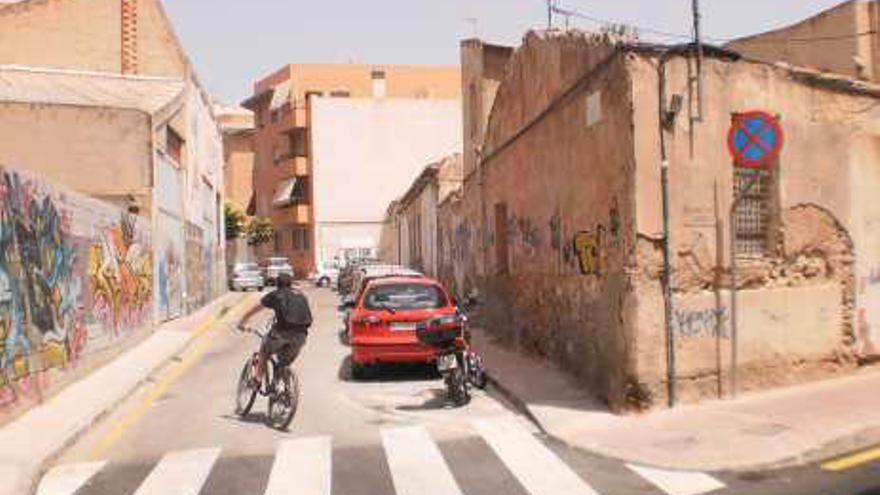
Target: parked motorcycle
(457, 362)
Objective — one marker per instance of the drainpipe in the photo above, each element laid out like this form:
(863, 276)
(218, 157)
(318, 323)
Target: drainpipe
(668, 306)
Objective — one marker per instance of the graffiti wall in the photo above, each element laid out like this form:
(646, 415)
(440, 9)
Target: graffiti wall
(76, 275)
(169, 240)
(196, 267)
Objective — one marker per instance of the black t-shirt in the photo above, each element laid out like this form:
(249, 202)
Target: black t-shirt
(291, 309)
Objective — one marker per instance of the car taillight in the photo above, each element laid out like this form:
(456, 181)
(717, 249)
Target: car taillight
(369, 320)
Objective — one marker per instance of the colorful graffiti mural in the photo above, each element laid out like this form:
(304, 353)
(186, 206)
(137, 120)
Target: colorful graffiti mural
(121, 276)
(74, 273)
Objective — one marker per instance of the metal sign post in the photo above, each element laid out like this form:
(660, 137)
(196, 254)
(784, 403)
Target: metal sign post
(755, 142)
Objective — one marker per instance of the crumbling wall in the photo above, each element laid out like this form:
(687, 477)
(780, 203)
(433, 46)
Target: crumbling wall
(795, 311)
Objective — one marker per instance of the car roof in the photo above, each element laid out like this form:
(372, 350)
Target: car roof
(402, 279)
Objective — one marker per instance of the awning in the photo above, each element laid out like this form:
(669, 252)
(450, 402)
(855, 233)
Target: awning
(284, 192)
(253, 103)
(280, 96)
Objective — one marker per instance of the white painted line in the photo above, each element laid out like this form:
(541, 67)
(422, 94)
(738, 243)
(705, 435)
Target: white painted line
(302, 467)
(678, 482)
(416, 464)
(536, 467)
(180, 473)
(67, 479)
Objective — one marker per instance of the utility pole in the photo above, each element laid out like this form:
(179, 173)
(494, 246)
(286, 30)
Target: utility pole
(698, 46)
(549, 14)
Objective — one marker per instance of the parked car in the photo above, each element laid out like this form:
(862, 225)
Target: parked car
(346, 277)
(365, 274)
(383, 320)
(274, 266)
(246, 276)
(326, 274)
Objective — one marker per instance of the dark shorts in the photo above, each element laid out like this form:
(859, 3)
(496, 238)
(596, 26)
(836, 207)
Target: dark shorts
(286, 345)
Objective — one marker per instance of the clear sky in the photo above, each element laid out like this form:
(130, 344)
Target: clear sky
(235, 42)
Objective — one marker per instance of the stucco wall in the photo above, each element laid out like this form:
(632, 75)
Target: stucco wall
(566, 185)
(365, 152)
(816, 234)
(76, 278)
(60, 32)
(834, 52)
(89, 149)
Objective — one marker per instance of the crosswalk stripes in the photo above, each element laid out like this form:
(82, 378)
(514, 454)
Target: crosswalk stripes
(415, 463)
(417, 466)
(678, 482)
(180, 473)
(67, 479)
(302, 463)
(539, 470)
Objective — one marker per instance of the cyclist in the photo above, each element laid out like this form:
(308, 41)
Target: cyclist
(292, 321)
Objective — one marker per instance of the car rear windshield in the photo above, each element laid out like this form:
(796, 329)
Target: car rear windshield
(247, 267)
(277, 261)
(404, 297)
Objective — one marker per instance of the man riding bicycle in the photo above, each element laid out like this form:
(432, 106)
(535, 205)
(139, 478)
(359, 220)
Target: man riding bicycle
(292, 321)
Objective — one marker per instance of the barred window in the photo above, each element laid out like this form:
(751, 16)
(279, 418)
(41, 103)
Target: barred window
(754, 213)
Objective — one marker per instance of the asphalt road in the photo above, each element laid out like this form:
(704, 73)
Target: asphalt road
(391, 435)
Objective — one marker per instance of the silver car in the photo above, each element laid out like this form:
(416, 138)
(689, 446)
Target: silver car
(246, 276)
(275, 266)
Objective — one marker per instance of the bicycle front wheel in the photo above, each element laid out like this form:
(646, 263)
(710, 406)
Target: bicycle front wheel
(284, 400)
(246, 392)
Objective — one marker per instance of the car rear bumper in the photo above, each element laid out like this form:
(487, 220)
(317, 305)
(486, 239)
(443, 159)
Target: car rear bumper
(392, 353)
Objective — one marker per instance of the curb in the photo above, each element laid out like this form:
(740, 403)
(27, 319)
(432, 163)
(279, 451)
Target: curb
(29, 475)
(845, 444)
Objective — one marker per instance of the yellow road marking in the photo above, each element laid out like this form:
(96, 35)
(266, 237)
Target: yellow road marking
(851, 461)
(202, 339)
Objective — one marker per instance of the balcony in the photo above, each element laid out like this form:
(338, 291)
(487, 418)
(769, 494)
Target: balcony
(293, 214)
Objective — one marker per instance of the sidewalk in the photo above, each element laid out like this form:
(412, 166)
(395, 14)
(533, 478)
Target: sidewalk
(757, 431)
(41, 433)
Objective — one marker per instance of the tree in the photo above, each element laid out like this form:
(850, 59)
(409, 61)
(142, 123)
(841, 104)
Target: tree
(235, 221)
(259, 231)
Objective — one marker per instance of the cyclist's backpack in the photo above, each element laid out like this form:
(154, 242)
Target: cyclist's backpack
(293, 311)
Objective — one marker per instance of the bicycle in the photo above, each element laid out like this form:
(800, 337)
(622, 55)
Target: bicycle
(279, 383)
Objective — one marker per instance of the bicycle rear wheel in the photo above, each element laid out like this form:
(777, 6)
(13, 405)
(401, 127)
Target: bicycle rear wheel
(284, 400)
(246, 392)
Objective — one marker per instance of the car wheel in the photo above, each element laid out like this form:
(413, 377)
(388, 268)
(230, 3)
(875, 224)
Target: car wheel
(324, 282)
(361, 372)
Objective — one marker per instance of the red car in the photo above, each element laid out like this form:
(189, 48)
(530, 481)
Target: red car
(382, 323)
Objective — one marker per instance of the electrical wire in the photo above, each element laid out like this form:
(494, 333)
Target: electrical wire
(570, 12)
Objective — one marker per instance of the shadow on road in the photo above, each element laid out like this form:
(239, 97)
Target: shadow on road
(437, 401)
(389, 373)
(258, 417)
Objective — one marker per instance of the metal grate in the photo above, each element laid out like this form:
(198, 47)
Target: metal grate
(752, 215)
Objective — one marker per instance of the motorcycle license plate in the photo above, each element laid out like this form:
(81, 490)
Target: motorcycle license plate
(447, 362)
(403, 326)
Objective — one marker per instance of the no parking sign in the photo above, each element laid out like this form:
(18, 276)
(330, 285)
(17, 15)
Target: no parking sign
(755, 139)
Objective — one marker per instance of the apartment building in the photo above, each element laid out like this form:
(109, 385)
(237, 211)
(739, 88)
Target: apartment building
(335, 143)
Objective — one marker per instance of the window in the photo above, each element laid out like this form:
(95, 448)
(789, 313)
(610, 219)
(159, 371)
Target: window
(341, 93)
(300, 239)
(278, 240)
(755, 212)
(277, 153)
(300, 194)
(380, 88)
(299, 141)
(404, 297)
(174, 145)
(275, 114)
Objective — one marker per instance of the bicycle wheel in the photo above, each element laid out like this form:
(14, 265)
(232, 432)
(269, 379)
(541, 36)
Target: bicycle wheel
(284, 399)
(246, 393)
